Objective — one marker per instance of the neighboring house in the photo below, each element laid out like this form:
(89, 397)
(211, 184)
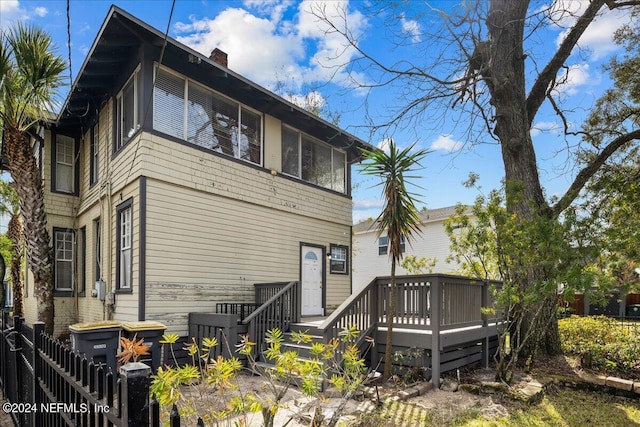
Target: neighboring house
(167, 200)
(371, 253)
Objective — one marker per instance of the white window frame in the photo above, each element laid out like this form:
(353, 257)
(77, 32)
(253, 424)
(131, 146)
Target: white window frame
(316, 141)
(240, 106)
(125, 246)
(120, 141)
(336, 255)
(66, 255)
(64, 141)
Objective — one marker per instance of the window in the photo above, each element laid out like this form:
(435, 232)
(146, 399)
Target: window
(97, 249)
(94, 151)
(64, 259)
(313, 161)
(189, 111)
(127, 122)
(339, 259)
(64, 164)
(125, 252)
(82, 252)
(383, 245)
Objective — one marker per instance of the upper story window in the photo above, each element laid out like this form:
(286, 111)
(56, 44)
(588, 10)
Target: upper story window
(127, 120)
(313, 161)
(189, 111)
(383, 245)
(94, 158)
(64, 167)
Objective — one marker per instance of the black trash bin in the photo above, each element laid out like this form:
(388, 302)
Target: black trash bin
(633, 310)
(98, 341)
(151, 332)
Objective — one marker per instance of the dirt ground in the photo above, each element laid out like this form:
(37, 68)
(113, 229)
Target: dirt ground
(442, 403)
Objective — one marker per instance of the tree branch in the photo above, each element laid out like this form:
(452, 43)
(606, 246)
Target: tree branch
(539, 90)
(588, 171)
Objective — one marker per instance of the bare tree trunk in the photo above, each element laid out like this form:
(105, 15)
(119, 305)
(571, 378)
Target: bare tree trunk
(391, 314)
(504, 73)
(15, 233)
(28, 184)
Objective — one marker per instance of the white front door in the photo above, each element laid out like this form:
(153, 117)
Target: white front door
(311, 272)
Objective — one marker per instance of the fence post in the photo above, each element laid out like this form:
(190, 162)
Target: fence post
(38, 329)
(436, 317)
(135, 379)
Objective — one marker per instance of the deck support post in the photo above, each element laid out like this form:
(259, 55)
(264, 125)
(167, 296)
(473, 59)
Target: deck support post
(484, 302)
(436, 318)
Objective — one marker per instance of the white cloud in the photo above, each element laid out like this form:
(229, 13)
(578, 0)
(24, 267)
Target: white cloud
(40, 11)
(446, 143)
(384, 145)
(598, 38)
(570, 81)
(366, 204)
(545, 127)
(284, 43)
(411, 28)
(309, 101)
(10, 11)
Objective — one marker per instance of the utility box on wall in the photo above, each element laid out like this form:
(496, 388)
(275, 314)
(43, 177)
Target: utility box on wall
(100, 290)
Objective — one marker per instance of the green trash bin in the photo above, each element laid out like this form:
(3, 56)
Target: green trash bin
(151, 332)
(98, 341)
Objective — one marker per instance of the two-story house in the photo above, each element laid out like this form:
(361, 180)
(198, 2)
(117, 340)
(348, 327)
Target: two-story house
(173, 183)
(371, 251)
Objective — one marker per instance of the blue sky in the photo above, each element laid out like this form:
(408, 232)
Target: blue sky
(279, 45)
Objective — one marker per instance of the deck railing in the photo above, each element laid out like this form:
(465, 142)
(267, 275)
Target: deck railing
(279, 311)
(432, 302)
(264, 291)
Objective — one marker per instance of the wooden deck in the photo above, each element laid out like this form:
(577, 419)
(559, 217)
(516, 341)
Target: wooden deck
(438, 317)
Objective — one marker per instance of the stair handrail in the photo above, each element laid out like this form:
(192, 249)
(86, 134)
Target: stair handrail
(366, 299)
(257, 332)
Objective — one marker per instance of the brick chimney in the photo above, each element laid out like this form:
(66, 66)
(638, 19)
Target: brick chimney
(219, 57)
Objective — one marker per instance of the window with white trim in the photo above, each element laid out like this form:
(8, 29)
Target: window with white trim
(125, 248)
(313, 161)
(339, 259)
(383, 245)
(64, 165)
(189, 111)
(127, 120)
(63, 243)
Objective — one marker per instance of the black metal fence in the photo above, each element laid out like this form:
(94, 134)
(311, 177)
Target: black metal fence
(46, 384)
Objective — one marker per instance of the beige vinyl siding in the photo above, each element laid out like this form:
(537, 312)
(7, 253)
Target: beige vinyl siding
(203, 249)
(126, 307)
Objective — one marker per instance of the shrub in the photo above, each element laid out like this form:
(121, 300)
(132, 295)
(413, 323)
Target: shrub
(608, 345)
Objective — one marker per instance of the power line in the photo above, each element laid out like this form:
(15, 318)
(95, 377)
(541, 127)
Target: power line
(153, 85)
(69, 41)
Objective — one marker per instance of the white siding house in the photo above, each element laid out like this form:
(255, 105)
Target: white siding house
(370, 253)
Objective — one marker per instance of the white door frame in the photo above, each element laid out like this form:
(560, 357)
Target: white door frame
(323, 263)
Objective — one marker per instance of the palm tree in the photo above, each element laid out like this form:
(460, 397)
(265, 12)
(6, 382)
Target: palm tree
(30, 74)
(9, 204)
(399, 217)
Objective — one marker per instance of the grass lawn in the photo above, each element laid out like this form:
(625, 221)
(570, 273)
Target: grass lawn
(564, 408)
